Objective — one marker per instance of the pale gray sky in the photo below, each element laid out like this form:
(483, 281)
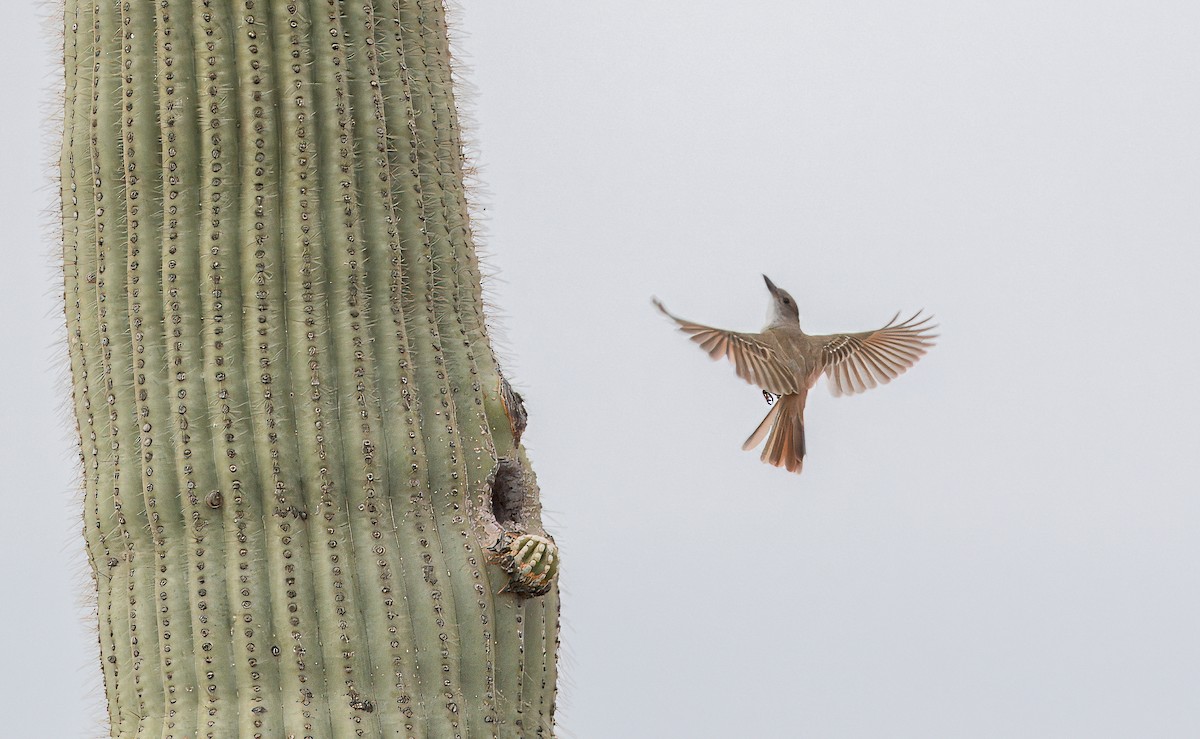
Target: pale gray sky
(1002, 543)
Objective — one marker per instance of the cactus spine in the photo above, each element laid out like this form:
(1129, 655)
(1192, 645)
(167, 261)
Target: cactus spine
(306, 505)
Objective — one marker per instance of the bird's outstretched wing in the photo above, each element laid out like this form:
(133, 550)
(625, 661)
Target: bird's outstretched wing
(857, 362)
(755, 361)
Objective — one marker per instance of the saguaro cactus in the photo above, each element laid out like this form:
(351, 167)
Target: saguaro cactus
(306, 505)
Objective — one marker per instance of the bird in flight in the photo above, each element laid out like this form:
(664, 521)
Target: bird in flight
(786, 363)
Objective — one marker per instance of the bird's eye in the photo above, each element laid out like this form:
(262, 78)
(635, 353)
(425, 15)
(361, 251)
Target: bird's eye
(787, 301)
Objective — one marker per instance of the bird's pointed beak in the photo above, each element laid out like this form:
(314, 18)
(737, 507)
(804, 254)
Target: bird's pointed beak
(771, 285)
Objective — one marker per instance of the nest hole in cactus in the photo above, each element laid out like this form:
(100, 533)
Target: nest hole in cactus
(508, 493)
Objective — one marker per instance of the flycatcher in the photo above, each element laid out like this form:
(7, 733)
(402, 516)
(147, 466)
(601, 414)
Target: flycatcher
(786, 362)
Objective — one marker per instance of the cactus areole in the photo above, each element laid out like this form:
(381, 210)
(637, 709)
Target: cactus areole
(305, 505)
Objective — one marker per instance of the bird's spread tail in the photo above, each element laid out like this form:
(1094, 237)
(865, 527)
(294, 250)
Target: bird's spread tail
(783, 429)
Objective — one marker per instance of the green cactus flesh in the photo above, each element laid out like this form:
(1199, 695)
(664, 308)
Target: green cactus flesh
(306, 505)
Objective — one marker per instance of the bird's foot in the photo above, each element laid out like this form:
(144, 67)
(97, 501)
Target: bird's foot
(771, 397)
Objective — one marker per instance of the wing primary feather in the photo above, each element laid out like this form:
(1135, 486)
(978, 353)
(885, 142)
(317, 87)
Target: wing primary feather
(880, 368)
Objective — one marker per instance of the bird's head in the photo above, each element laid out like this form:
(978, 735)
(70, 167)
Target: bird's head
(784, 310)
